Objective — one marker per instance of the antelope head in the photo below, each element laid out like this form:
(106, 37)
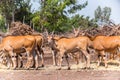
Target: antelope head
(50, 37)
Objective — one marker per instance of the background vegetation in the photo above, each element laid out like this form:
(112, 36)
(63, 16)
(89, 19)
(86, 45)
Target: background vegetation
(53, 15)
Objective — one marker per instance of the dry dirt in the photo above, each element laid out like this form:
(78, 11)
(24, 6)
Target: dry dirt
(49, 72)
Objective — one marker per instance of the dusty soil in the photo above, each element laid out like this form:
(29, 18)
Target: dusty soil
(50, 72)
(59, 75)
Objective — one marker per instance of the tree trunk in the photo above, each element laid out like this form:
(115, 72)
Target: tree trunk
(13, 16)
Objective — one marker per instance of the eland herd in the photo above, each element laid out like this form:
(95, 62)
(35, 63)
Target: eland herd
(12, 48)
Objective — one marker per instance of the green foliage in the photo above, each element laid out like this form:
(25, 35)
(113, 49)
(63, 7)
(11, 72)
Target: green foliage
(16, 10)
(36, 21)
(82, 22)
(7, 7)
(53, 13)
(76, 7)
(2, 23)
(23, 12)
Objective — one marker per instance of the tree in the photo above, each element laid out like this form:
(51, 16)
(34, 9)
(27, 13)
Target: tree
(102, 16)
(82, 22)
(53, 13)
(2, 23)
(6, 8)
(23, 12)
(36, 21)
(15, 10)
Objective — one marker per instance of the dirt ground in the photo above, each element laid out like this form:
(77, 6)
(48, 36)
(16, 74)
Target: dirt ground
(50, 72)
(59, 75)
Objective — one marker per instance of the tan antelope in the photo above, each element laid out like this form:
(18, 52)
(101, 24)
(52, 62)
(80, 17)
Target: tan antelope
(104, 44)
(67, 45)
(54, 50)
(74, 54)
(39, 41)
(77, 32)
(38, 51)
(11, 44)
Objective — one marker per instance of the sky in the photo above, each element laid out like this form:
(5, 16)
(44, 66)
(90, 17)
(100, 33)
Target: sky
(92, 6)
(35, 4)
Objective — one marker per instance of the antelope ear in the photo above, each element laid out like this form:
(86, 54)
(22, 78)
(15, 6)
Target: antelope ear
(52, 34)
(1, 52)
(46, 31)
(5, 50)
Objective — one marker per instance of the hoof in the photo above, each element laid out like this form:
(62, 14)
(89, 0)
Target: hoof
(98, 66)
(32, 66)
(42, 65)
(106, 66)
(59, 69)
(69, 68)
(54, 64)
(27, 68)
(36, 68)
(88, 68)
(20, 66)
(8, 68)
(12, 68)
(85, 68)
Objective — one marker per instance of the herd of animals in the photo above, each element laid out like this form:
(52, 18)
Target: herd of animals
(13, 48)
